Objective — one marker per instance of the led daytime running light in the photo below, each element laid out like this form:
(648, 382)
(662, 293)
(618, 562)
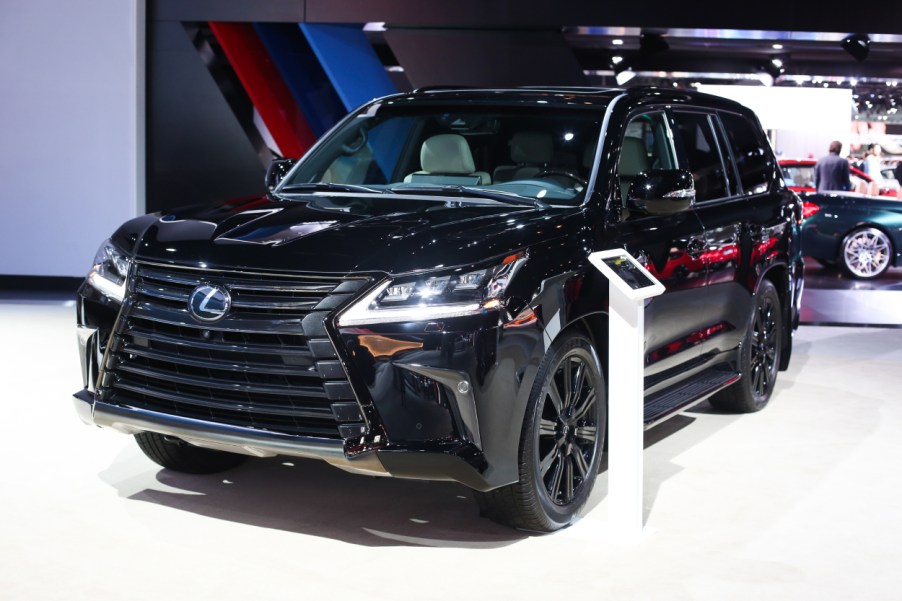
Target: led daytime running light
(434, 297)
(109, 272)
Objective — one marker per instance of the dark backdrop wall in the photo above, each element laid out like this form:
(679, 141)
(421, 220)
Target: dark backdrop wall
(203, 143)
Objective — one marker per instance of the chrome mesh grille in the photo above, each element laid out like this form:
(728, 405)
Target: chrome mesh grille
(267, 365)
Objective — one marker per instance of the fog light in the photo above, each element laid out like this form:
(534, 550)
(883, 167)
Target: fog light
(417, 388)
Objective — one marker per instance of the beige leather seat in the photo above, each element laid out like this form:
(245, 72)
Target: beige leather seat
(447, 159)
(532, 151)
(633, 161)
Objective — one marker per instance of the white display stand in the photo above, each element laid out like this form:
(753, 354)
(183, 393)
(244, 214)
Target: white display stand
(630, 284)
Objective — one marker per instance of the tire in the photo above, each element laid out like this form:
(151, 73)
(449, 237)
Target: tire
(560, 442)
(180, 456)
(866, 253)
(759, 356)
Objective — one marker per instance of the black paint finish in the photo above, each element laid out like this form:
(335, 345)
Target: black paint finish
(445, 398)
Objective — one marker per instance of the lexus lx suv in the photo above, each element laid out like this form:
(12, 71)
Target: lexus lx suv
(413, 297)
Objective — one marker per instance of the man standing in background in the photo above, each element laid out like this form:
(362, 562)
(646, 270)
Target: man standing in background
(832, 171)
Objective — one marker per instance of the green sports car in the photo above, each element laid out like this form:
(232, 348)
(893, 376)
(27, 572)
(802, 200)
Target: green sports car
(860, 234)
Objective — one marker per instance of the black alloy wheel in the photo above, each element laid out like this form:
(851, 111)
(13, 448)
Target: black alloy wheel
(567, 430)
(759, 356)
(560, 444)
(765, 344)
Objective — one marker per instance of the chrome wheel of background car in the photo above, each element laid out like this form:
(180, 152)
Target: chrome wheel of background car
(560, 443)
(866, 253)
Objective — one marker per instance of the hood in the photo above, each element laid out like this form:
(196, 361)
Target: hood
(343, 234)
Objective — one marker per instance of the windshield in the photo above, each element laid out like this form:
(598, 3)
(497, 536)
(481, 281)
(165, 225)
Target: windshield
(543, 154)
(798, 175)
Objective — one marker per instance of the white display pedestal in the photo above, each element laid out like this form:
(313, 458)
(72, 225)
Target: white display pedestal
(629, 285)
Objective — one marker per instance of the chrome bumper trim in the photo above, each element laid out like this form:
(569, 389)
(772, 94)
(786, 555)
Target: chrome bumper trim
(86, 352)
(223, 437)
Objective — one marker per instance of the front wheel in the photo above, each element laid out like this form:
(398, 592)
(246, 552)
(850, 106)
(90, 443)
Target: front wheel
(180, 456)
(560, 442)
(759, 356)
(866, 253)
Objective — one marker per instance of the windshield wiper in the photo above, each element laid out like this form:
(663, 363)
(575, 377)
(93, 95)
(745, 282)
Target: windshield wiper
(474, 192)
(326, 187)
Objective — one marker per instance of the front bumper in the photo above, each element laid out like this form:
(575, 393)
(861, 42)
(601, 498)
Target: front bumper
(441, 401)
(245, 441)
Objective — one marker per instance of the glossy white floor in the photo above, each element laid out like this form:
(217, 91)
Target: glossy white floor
(799, 501)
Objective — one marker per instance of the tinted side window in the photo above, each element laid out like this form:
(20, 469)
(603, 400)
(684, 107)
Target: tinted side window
(645, 146)
(750, 152)
(700, 149)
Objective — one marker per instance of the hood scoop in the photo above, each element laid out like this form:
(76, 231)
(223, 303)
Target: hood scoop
(271, 232)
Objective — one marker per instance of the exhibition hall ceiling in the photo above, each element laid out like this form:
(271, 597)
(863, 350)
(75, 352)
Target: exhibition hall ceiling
(704, 37)
(472, 42)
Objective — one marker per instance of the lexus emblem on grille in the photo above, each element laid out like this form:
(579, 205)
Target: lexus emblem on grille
(209, 303)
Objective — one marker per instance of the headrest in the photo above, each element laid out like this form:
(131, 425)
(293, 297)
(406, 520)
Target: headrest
(447, 153)
(532, 147)
(633, 157)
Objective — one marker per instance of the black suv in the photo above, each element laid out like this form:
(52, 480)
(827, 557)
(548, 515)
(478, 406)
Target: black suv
(413, 298)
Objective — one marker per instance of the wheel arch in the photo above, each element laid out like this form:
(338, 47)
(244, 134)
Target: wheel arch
(595, 325)
(780, 276)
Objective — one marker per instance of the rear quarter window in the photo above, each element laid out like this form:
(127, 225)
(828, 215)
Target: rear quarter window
(750, 151)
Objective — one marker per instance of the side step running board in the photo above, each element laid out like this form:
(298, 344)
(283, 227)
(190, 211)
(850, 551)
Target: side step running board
(669, 402)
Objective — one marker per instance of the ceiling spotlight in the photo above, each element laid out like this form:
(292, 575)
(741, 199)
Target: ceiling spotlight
(858, 45)
(777, 46)
(774, 67)
(624, 76)
(652, 43)
(622, 70)
(617, 42)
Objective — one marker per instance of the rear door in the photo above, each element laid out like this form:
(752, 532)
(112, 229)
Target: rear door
(741, 218)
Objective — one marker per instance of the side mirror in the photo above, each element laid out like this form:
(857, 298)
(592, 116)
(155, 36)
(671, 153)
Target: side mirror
(661, 192)
(277, 170)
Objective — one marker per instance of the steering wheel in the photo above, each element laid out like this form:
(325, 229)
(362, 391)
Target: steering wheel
(562, 173)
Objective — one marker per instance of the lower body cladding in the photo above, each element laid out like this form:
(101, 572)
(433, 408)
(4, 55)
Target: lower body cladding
(437, 405)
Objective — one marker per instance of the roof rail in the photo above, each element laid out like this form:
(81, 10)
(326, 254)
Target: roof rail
(582, 89)
(440, 88)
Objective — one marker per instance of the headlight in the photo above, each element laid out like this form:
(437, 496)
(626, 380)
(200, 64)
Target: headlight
(109, 271)
(434, 297)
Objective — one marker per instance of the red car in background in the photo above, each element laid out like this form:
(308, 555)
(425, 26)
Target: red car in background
(799, 176)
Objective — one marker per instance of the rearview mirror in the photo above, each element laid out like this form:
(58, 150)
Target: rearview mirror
(661, 192)
(277, 170)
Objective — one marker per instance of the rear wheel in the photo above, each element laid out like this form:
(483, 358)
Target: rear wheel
(560, 442)
(866, 253)
(759, 356)
(180, 456)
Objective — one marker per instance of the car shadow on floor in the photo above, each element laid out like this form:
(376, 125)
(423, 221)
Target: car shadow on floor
(313, 498)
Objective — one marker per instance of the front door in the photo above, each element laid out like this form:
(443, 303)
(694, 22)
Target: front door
(672, 247)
